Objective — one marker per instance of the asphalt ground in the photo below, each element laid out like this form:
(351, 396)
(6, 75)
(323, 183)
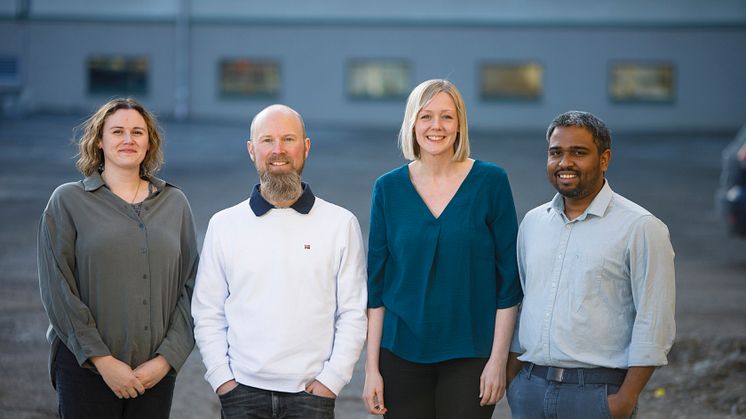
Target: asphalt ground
(672, 175)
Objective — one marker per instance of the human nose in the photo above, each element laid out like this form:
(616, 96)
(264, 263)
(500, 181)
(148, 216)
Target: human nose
(128, 137)
(437, 123)
(565, 160)
(278, 147)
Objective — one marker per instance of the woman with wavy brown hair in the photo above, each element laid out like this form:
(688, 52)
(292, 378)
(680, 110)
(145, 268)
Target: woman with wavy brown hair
(117, 257)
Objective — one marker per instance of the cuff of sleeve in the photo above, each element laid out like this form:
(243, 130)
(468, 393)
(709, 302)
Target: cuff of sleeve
(175, 357)
(511, 301)
(331, 379)
(515, 346)
(374, 301)
(87, 345)
(219, 375)
(647, 356)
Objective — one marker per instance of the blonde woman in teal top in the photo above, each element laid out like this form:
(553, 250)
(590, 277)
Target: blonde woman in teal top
(442, 276)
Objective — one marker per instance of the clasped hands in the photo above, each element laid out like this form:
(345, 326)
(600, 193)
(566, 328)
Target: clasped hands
(126, 382)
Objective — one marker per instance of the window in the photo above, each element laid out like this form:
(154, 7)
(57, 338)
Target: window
(10, 78)
(641, 82)
(378, 79)
(246, 78)
(511, 81)
(118, 75)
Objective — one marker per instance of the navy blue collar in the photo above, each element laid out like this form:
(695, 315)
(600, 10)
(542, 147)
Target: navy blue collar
(303, 205)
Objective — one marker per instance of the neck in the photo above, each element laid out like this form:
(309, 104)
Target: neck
(576, 206)
(121, 178)
(435, 166)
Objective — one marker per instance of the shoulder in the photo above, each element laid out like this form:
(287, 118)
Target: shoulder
(64, 194)
(536, 213)
(489, 170)
(326, 209)
(490, 175)
(393, 177)
(174, 192)
(637, 215)
(228, 215)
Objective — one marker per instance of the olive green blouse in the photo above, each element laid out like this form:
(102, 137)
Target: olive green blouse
(114, 282)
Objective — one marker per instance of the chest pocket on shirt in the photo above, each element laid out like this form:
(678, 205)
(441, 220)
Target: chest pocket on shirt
(598, 287)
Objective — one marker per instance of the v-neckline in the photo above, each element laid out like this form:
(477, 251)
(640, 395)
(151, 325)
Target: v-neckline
(455, 194)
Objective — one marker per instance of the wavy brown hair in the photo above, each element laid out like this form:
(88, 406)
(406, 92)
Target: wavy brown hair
(91, 157)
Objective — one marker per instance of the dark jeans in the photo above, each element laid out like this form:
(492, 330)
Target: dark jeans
(246, 402)
(443, 390)
(534, 397)
(83, 394)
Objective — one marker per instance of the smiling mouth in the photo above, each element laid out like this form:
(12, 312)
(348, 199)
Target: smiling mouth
(435, 137)
(567, 175)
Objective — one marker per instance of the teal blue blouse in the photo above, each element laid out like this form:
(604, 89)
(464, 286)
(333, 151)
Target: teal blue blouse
(442, 279)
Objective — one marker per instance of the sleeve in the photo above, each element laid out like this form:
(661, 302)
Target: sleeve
(378, 251)
(651, 262)
(515, 345)
(70, 318)
(351, 322)
(208, 310)
(504, 228)
(179, 340)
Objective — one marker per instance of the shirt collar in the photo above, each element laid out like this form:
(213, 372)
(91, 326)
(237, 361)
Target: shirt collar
(95, 181)
(597, 207)
(303, 205)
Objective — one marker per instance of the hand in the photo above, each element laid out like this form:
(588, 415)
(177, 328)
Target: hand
(492, 382)
(226, 387)
(318, 389)
(118, 376)
(373, 393)
(620, 407)
(152, 372)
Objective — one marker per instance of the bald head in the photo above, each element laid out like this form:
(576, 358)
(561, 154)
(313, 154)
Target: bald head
(276, 110)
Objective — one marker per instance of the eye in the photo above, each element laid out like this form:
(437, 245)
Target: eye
(289, 139)
(579, 152)
(447, 117)
(116, 131)
(425, 117)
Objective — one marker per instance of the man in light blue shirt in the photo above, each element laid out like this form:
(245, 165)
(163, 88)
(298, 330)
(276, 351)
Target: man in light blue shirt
(597, 272)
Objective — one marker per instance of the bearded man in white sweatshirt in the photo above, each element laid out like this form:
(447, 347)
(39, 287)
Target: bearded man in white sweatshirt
(280, 296)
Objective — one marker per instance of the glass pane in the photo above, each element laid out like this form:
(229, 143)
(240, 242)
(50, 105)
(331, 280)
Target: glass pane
(246, 78)
(635, 82)
(378, 79)
(118, 75)
(521, 81)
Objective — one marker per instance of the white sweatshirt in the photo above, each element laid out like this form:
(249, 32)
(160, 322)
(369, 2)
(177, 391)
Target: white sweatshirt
(280, 299)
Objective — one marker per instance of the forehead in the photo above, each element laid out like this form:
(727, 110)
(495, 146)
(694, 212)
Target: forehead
(440, 101)
(125, 117)
(566, 137)
(278, 123)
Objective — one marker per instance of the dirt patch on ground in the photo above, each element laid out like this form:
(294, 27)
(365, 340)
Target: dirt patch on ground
(704, 379)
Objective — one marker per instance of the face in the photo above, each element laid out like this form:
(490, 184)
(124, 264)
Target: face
(436, 127)
(279, 145)
(125, 140)
(574, 166)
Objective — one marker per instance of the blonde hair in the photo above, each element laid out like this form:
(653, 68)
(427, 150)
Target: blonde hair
(418, 99)
(91, 157)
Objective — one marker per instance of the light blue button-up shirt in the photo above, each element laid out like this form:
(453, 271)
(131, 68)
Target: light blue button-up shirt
(599, 289)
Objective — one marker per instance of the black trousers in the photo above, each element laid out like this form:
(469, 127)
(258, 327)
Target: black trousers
(443, 390)
(83, 394)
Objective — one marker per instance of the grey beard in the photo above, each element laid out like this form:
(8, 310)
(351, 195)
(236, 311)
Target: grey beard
(282, 187)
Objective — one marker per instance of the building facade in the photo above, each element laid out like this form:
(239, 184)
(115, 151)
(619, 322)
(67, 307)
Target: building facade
(639, 65)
